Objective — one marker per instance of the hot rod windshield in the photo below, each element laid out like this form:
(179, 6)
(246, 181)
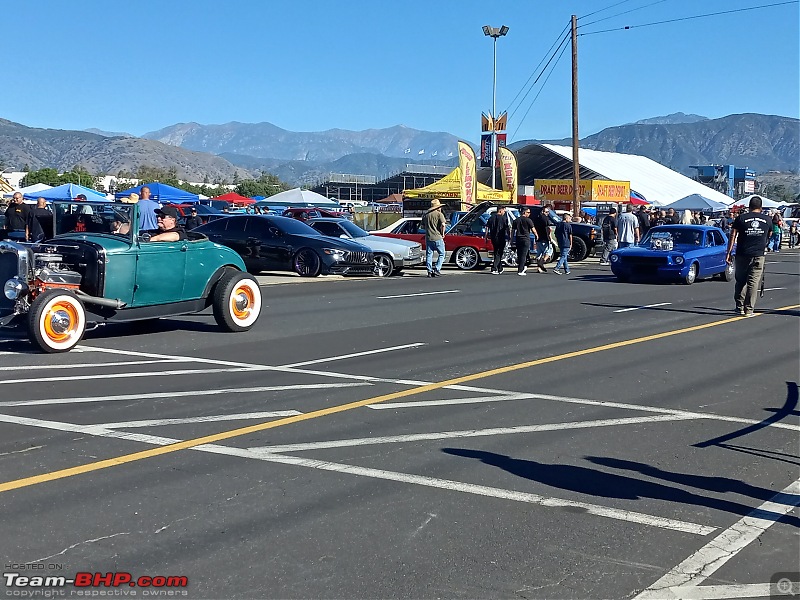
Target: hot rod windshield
(93, 217)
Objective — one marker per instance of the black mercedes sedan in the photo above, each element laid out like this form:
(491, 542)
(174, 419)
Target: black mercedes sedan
(268, 243)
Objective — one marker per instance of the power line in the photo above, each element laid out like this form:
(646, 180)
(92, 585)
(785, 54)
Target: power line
(624, 13)
(724, 12)
(552, 56)
(522, 120)
(524, 85)
(602, 9)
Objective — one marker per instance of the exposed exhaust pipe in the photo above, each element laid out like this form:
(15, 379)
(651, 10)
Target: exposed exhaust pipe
(110, 303)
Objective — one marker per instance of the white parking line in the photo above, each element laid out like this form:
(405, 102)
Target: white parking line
(127, 375)
(773, 289)
(193, 393)
(207, 419)
(603, 511)
(481, 490)
(123, 363)
(706, 561)
(645, 306)
(355, 354)
(726, 592)
(420, 294)
(446, 435)
(605, 403)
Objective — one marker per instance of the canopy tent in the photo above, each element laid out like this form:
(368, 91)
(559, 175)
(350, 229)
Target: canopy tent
(29, 189)
(449, 186)
(161, 192)
(765, 202)
(67, 191)
(697, 202)
(235, 198)
(300, 197)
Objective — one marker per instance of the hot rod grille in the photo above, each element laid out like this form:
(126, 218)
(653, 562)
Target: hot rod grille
(8, 269)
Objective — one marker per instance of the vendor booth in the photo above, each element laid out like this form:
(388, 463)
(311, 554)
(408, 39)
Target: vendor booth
(448, 190)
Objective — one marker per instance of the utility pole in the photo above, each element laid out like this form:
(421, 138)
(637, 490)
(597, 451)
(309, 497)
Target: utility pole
(576, 203)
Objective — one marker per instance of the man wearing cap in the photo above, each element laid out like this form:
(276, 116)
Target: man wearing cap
(609, 232)
(749, 233)
(168, 228)
(193, 220)
(434, 224)
(147, 211)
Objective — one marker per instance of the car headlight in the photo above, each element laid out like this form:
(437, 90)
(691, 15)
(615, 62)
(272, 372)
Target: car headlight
(614, 258)
(14, 288)
(335, 253)
(678, 260)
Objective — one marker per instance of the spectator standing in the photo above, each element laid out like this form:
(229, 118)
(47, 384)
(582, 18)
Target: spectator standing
(777, 234)
(627, 228)
(147, 211)
(434, 224)
(749, 232)
(660, 218)
(564, 239)
(672, 218)
(792, 232)
(498, 232)
(41, 221)
(193, 220)
(644, 220)
(18, 215)
(609, 232)
(686, 218)
(541, 226)
(522, 226)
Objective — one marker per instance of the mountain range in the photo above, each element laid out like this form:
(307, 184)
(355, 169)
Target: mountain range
(760, 142)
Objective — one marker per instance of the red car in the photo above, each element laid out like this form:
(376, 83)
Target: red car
(463, 247)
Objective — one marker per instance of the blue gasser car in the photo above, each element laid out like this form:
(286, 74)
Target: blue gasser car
(675, 253)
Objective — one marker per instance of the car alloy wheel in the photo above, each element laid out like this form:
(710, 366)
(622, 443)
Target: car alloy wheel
(384, 266)
(306, 263)
(509, 256)
(467, 258)
(56, 321)
(236, 301)
(691, 276)
(728, 273)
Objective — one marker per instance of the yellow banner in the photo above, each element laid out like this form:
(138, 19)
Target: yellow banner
(469, 173)
(508, 169)
(589, 190)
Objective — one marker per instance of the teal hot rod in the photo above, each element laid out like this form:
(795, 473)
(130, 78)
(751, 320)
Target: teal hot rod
(99, 268)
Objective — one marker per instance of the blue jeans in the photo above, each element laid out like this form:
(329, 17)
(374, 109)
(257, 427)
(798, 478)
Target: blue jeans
(430, 246)
(775, 242)
(562, 259)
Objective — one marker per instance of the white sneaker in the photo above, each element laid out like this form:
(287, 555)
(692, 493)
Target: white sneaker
(495, 273)
(522, 274)
(524, 269)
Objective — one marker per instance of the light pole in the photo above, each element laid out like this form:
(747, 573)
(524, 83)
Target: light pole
(494, 33)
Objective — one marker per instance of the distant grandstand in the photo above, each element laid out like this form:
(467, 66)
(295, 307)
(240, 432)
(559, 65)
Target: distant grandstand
(366, 188)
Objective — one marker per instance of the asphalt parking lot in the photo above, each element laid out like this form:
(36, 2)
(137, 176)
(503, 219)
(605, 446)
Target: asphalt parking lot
(470, 436)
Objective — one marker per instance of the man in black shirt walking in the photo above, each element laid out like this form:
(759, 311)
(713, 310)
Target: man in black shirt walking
(522, 231)
(541, 225)
(498, 231)
(750, 232)
(609, 231)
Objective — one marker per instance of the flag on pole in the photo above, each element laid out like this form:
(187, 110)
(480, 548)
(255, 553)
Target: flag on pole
(435, 152)
(449, 155)
(407, 151)
(421, 151)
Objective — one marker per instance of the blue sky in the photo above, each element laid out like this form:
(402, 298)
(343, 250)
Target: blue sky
(312, 65)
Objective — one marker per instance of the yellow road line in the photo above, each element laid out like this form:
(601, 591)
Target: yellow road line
(226, 435)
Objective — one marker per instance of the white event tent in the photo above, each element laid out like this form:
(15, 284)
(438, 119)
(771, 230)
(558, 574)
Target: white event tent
(30, 189)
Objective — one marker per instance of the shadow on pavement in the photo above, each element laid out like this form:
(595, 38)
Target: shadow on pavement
(594, 482)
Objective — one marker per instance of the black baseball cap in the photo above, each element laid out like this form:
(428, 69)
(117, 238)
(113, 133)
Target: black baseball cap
(168, 211)
(80, 197)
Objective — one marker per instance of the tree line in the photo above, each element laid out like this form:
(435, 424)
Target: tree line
(266, 185)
